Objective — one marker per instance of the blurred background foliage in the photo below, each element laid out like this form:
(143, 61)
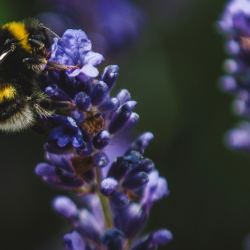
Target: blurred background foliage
(173, 74)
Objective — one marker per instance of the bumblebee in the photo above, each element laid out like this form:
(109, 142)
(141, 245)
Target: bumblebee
(24, 52)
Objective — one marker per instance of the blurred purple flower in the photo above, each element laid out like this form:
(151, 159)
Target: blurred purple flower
(114, 26)
(246, 242)
(89, 231)
(235, 16)
(59, 172)
(239, 138)
(235, 25)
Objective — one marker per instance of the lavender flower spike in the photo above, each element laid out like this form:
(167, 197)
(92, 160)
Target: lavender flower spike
(88, 152)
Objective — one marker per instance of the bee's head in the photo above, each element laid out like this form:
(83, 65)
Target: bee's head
(13, 39)
(8, 44)
(15, 33)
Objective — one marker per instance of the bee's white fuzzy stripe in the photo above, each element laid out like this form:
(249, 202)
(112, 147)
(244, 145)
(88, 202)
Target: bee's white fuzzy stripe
(20, 121)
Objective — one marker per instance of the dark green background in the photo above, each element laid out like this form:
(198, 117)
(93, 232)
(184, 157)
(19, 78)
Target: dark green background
(173, 75)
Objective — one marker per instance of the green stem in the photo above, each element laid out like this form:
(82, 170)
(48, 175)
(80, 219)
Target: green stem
(104, 202)
(127, 245)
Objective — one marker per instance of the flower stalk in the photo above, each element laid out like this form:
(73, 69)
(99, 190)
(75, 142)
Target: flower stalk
(104, 203)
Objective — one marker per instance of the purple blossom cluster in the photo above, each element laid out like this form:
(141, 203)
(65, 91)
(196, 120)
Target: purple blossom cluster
(89, 151)
(114, 26)
(234, 24)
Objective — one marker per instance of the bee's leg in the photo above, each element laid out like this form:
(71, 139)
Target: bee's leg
(35, 60)
(40, 45)
(40, 104)
(6, 53)
(35, 127)
(37, 104)
(62, 105)
(52, 65)
(52, 105)
(56, 65)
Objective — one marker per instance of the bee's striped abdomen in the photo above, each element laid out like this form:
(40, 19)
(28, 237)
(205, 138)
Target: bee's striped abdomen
(7, 92)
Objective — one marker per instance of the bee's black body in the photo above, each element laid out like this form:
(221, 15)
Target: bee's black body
(23, 53)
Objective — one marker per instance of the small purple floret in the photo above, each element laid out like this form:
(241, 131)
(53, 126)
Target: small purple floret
(67, 132)
(141, 142)
(110, 75)
(132, 121)
(119, 168)
(73, 241)
(108, 186)
(153, 240)
(101, 140)
(77, 51)
(78, 116)
(65, 207)
(110, 105)
(119, 199)
(123, 96)
(239, 138)
(57, 94)
(88, 226)
(99, 93)
(161, 237)
(135, 181)
(100, 159)
(44, 169)
(137, 215)
(121, 116)
(113, 239)
(227, 83)
(82, 101)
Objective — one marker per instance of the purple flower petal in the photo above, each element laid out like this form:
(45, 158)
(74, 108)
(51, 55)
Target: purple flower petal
(88, 226)
(65, 182)
(93, 58)
(61, 161)
(131, 219)
(135, 181)
(63, 141)
(73, 241)
(93, 204)
(141, 142)
(100, 159)
(67, 132)
(119, 199)
(65, 207)
(151, 241)
(123, 96)
(113, 239)
(44, 169)
(101, 140)
(162, 189)
(161, 237)
(110, 75)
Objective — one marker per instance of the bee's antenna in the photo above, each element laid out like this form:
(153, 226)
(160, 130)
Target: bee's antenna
(53, 33)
